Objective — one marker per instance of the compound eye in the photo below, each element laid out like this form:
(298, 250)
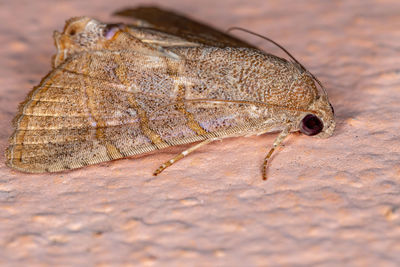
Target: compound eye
(311, 125)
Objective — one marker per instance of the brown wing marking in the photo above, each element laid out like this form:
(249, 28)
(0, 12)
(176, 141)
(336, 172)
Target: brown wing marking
(97, 120)
(31, 123)
(46, 139)
(180, 87)
(122, 73)
(191, 121)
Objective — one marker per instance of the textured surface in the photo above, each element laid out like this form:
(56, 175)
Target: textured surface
(326, 202)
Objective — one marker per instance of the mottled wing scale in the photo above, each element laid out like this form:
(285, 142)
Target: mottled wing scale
(141, 89)
(99, 106)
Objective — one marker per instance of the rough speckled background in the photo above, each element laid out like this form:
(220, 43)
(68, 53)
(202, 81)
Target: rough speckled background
(327, 202)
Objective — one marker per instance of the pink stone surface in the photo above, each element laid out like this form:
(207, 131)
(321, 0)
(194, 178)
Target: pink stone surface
(327, 202)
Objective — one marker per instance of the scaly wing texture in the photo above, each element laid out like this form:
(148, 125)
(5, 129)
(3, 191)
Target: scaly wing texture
(104, 105)
(133, 97)
(181, 26)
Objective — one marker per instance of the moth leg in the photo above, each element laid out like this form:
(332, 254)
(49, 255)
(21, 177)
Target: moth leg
(277, 142)
(182, 155)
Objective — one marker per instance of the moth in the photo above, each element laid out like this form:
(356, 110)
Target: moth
(117, 90)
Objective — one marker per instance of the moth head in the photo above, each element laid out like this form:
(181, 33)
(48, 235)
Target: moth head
(320, 120)
(82, 34)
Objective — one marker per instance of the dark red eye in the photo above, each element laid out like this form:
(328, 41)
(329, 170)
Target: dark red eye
(311, 125)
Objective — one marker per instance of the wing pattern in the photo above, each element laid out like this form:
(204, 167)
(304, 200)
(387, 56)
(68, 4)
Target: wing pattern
(95, 108)
(132, 94)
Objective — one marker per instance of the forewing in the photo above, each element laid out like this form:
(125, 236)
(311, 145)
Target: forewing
(98, 106)
(64, 122)
(181, 26)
